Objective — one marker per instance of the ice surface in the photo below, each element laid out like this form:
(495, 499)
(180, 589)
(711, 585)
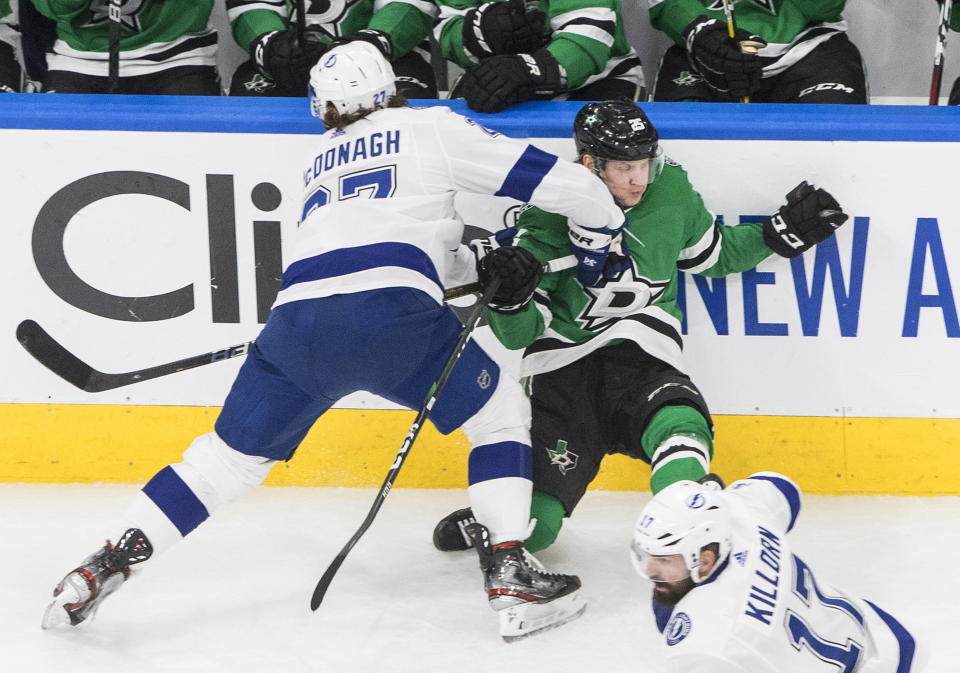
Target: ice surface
(235, 595)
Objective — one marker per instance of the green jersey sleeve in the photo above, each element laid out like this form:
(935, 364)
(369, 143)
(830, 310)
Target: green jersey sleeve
(776, 21)
(249, 20)
(449, 31)
(545, 236)
(585, 34)
(405, 22)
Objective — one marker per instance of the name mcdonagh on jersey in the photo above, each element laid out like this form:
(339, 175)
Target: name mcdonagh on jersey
(365, 147)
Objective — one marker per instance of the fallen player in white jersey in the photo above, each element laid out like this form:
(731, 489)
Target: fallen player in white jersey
(730, 596)
(360, 307)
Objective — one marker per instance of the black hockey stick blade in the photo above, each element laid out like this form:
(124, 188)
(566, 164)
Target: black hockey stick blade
(51, 354)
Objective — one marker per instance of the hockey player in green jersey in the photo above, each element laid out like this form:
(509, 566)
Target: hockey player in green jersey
(280, 61)
(804, 53)
(165, 47)
(605, 357)
(10, 74)
(514, 52)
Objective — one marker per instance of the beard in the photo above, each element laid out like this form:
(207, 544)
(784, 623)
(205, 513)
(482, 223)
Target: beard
(669, 594)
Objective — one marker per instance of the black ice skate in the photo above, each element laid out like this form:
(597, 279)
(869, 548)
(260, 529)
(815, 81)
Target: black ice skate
(451, 533)
(81, 592)
(712, 481)
(527, 599)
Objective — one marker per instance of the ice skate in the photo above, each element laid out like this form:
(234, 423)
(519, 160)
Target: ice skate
(712, 481)
(527, 599)
(450, 533)
(80, 593)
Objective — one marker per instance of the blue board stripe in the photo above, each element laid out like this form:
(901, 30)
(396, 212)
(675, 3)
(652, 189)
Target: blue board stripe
(908, 646)
(789, 491)
(549, 119)
(361, 258)
(527, 174)
(503, 459)
(175, 499)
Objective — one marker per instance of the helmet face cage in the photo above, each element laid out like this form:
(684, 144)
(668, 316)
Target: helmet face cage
(353, 77)
(680, 520)
(617, 130)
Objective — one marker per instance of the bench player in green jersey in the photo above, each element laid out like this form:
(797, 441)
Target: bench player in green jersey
(804, 53)
(280, 62)
(513, 51)
(165, 47)
(10, 74)
(604, 356)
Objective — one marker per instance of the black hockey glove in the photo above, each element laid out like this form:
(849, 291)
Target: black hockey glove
(519, 273)
(810, 215)
(506, 27)
(280, 59)
(484, 246)
(729, 65)
(377, 38)
(501, 81)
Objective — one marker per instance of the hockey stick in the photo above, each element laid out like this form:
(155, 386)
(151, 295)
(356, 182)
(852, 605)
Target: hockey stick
(115, 16)
(301, 14)
(321, 589)
(747, 46)
(55, 357)
(937, 77)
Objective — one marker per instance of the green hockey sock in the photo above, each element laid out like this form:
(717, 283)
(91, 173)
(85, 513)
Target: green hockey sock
(679, 444)
(549, 513)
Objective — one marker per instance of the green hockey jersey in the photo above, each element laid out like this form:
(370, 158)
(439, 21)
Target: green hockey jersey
(792, 28)
(669, 230)
(406, 22)
(154, 35)
(586, 38)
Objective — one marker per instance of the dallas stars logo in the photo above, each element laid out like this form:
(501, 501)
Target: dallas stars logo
(618, 298)
(564, 459)
(764, 4)
(687, 78)
(129, 14)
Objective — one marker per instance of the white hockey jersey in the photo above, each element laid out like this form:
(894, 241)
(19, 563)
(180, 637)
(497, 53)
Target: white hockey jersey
(766, 612)
(378, 207)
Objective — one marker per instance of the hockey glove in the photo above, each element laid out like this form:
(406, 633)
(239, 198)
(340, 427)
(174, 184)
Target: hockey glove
(484, 246)
(519, 273)
(505, 27)
(729, 65)
(377, 38)
(501, 81)
(618, 260)
(280, 59)
(810, 215)
(591, 248)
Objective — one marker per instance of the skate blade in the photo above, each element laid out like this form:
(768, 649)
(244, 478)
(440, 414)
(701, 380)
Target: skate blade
(529, 619)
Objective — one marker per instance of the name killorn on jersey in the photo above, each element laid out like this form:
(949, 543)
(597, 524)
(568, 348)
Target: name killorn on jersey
(354, 149)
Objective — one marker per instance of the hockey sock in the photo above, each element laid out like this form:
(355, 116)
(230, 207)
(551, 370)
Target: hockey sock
(549, 513)
(679, 444)
(500, 485)
(181, 496)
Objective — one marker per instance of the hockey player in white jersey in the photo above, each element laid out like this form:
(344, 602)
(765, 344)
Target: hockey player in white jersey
(361, 308)
(730, 596)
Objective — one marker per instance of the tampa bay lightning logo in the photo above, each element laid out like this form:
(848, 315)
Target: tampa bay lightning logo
(619, 297)
(129, 13)
(678, 628)
(696, 501)
(765, 4)
(331, 60)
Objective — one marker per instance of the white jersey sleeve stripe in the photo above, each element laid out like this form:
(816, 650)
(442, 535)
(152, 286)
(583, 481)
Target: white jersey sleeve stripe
(345, 261)
(789, 491)
(527, 174)
(908, 646)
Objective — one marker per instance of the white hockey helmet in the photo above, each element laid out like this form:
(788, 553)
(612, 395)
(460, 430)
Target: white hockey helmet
(681, 519)
(352, 76)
